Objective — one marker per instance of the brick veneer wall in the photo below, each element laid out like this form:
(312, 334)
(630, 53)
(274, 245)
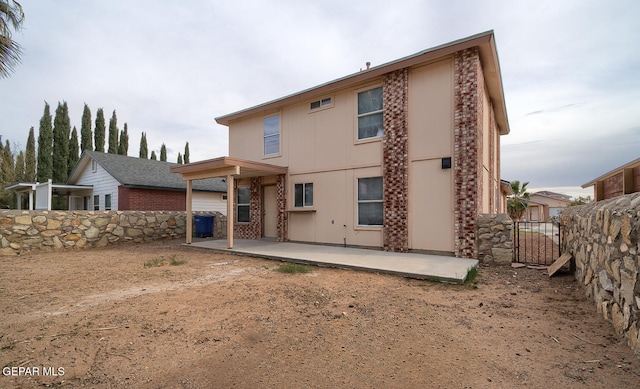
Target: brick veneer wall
(492, 155)
(151, 199)
(613, 186)
(468, 92)
(253, 229)
(395, 163)
(282, 218)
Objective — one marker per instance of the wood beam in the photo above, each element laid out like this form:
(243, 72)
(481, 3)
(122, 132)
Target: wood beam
(202, 175)
(230, 222)
(189, 221)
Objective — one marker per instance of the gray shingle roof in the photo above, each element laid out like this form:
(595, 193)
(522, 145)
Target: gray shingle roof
(145, 173)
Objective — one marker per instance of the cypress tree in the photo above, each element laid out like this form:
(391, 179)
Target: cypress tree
(186, 153)
(45, 141)
(86, 143)
(74, 151)
(30, 158)
(7, 176)
(113, 134)
(153, 155)
(99, 131)
(123, 146)
(144, 151)
(179, 158)
(61, 129)
(163, 153)
(19, 171)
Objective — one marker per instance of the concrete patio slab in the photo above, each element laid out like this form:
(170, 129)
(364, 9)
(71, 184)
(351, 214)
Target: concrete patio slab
(411, 265)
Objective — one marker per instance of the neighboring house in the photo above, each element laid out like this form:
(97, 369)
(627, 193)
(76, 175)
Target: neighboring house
(544, 205)
(401, 156)
(102, 181)
(119, 182)
(619, 181)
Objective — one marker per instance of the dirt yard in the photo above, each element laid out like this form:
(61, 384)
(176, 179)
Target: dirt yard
(159, 315)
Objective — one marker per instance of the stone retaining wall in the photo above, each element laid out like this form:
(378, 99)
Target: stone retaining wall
(603, 238)
(28, 231)
(495, 235)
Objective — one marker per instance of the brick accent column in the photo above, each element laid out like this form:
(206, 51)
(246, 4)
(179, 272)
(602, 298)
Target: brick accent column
(395, 165)
(283, 225)
(468, 92)
(253, 229)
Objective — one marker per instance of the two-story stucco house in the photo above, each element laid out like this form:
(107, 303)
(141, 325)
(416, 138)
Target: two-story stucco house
(401, 156)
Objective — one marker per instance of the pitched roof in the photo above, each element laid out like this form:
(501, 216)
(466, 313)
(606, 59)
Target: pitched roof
(632, 164)
(142, 173)
(554, 195)
(488, 55)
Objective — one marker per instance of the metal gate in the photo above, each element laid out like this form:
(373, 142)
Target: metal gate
(536, 242)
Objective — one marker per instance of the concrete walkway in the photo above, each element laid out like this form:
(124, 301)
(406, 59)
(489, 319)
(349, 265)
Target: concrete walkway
(421, 266)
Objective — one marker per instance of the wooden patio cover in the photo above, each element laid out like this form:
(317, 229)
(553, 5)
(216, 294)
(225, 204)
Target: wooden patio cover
(225, 167)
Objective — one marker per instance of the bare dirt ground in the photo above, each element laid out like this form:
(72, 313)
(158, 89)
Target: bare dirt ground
(105, 320)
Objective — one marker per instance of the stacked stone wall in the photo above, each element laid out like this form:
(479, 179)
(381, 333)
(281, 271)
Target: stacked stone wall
(604, 239)
(32, 231)
(495, 238)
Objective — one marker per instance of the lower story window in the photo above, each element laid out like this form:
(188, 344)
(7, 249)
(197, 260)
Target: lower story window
(370, 201)
(107, 202)
(303, 194)
(243, 204)
(96, 203)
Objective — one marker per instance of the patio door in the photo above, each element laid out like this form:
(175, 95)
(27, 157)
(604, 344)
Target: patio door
(270, 211)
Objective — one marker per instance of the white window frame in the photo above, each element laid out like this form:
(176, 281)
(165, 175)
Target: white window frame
(369, 113)
(107, 202)
(239, 204)
(321, 104)
(96, 204)
(358, 202)
(271, 136)
(94, 166)
(303, 186)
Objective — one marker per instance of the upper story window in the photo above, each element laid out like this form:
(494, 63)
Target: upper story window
(272, 135)
(323, 103)
(370, 113)
(94, 166)
(303, 195)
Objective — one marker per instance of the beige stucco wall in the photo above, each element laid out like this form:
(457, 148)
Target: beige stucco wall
(321, 147)
(431, 139)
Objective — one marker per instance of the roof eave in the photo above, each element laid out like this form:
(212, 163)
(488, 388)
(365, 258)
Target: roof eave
(489, 58)
(610, 173)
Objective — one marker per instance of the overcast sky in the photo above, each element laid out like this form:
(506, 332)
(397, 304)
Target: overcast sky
(570, 69)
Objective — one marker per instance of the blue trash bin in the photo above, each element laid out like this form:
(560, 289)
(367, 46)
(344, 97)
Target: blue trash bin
(204, 226)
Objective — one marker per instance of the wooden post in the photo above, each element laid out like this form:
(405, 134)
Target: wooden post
(189, 221)
(230, 222)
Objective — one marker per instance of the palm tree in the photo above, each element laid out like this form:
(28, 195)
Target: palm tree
(518, 202)
(11, 16)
